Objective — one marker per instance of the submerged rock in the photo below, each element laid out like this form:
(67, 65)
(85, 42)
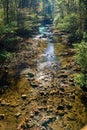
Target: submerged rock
(2, 116)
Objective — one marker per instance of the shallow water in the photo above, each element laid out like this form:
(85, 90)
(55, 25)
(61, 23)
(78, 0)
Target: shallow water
(48, 57)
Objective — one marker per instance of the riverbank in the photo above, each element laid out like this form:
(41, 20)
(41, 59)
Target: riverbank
(43, 94)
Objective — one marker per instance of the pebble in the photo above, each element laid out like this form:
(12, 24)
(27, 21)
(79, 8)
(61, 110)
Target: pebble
(18, 114)
(32, 115)
(24, 96)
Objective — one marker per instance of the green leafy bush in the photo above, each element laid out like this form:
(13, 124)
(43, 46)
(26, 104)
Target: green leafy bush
(13, 39)
(81, 56)
(68, 22)
(81, 79)
(4, 55)
(8, 33)
(81, 59)
(70, 25)
(85, 36)
(8, 29)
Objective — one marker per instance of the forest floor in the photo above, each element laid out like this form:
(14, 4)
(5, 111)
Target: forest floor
(42, 99)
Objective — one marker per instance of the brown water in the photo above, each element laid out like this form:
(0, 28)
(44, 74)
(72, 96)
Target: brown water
(45, 93)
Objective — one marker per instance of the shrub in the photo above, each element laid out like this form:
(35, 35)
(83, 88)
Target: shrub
(81, 56)
(70, 25)
(81, 79)
(4, 55)
(8, 33)
(85, 36)
(81, 59)
(8, 29)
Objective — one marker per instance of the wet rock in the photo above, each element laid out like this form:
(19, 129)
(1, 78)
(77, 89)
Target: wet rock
(42, 93)
(61, 93)
(3, 103)
(2, 116)
(47, 120)
(50, 110)
(71, 80)
(34, 85)
(62, 89)
(0, 101)
(31, 125)
(72, 84)
(61, 113)
(63, 76)
(73, 96)
(32, 115)
(71, 118)
(40, 108)
(54, 92)
(36, 113)
(60, 107)
(30, 75)
(18, 114)
(64, 54)
(22, 108)
(24, 96)
(69, 106)
(13, 105)
(44, 101)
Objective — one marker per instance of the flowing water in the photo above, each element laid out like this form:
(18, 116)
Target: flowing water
(48, 57)
(47, 61)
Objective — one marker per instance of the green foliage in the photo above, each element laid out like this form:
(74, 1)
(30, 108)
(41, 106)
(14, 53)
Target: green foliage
(70, 25)
(81, 79)
(12, 39)
(81, 55)
(71, 16)
(8, 33)
(5, 55)
(8, 29)
(85, 36)
(81, 59)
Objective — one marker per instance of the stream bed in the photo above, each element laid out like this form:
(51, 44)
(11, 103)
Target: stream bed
(44, 95)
